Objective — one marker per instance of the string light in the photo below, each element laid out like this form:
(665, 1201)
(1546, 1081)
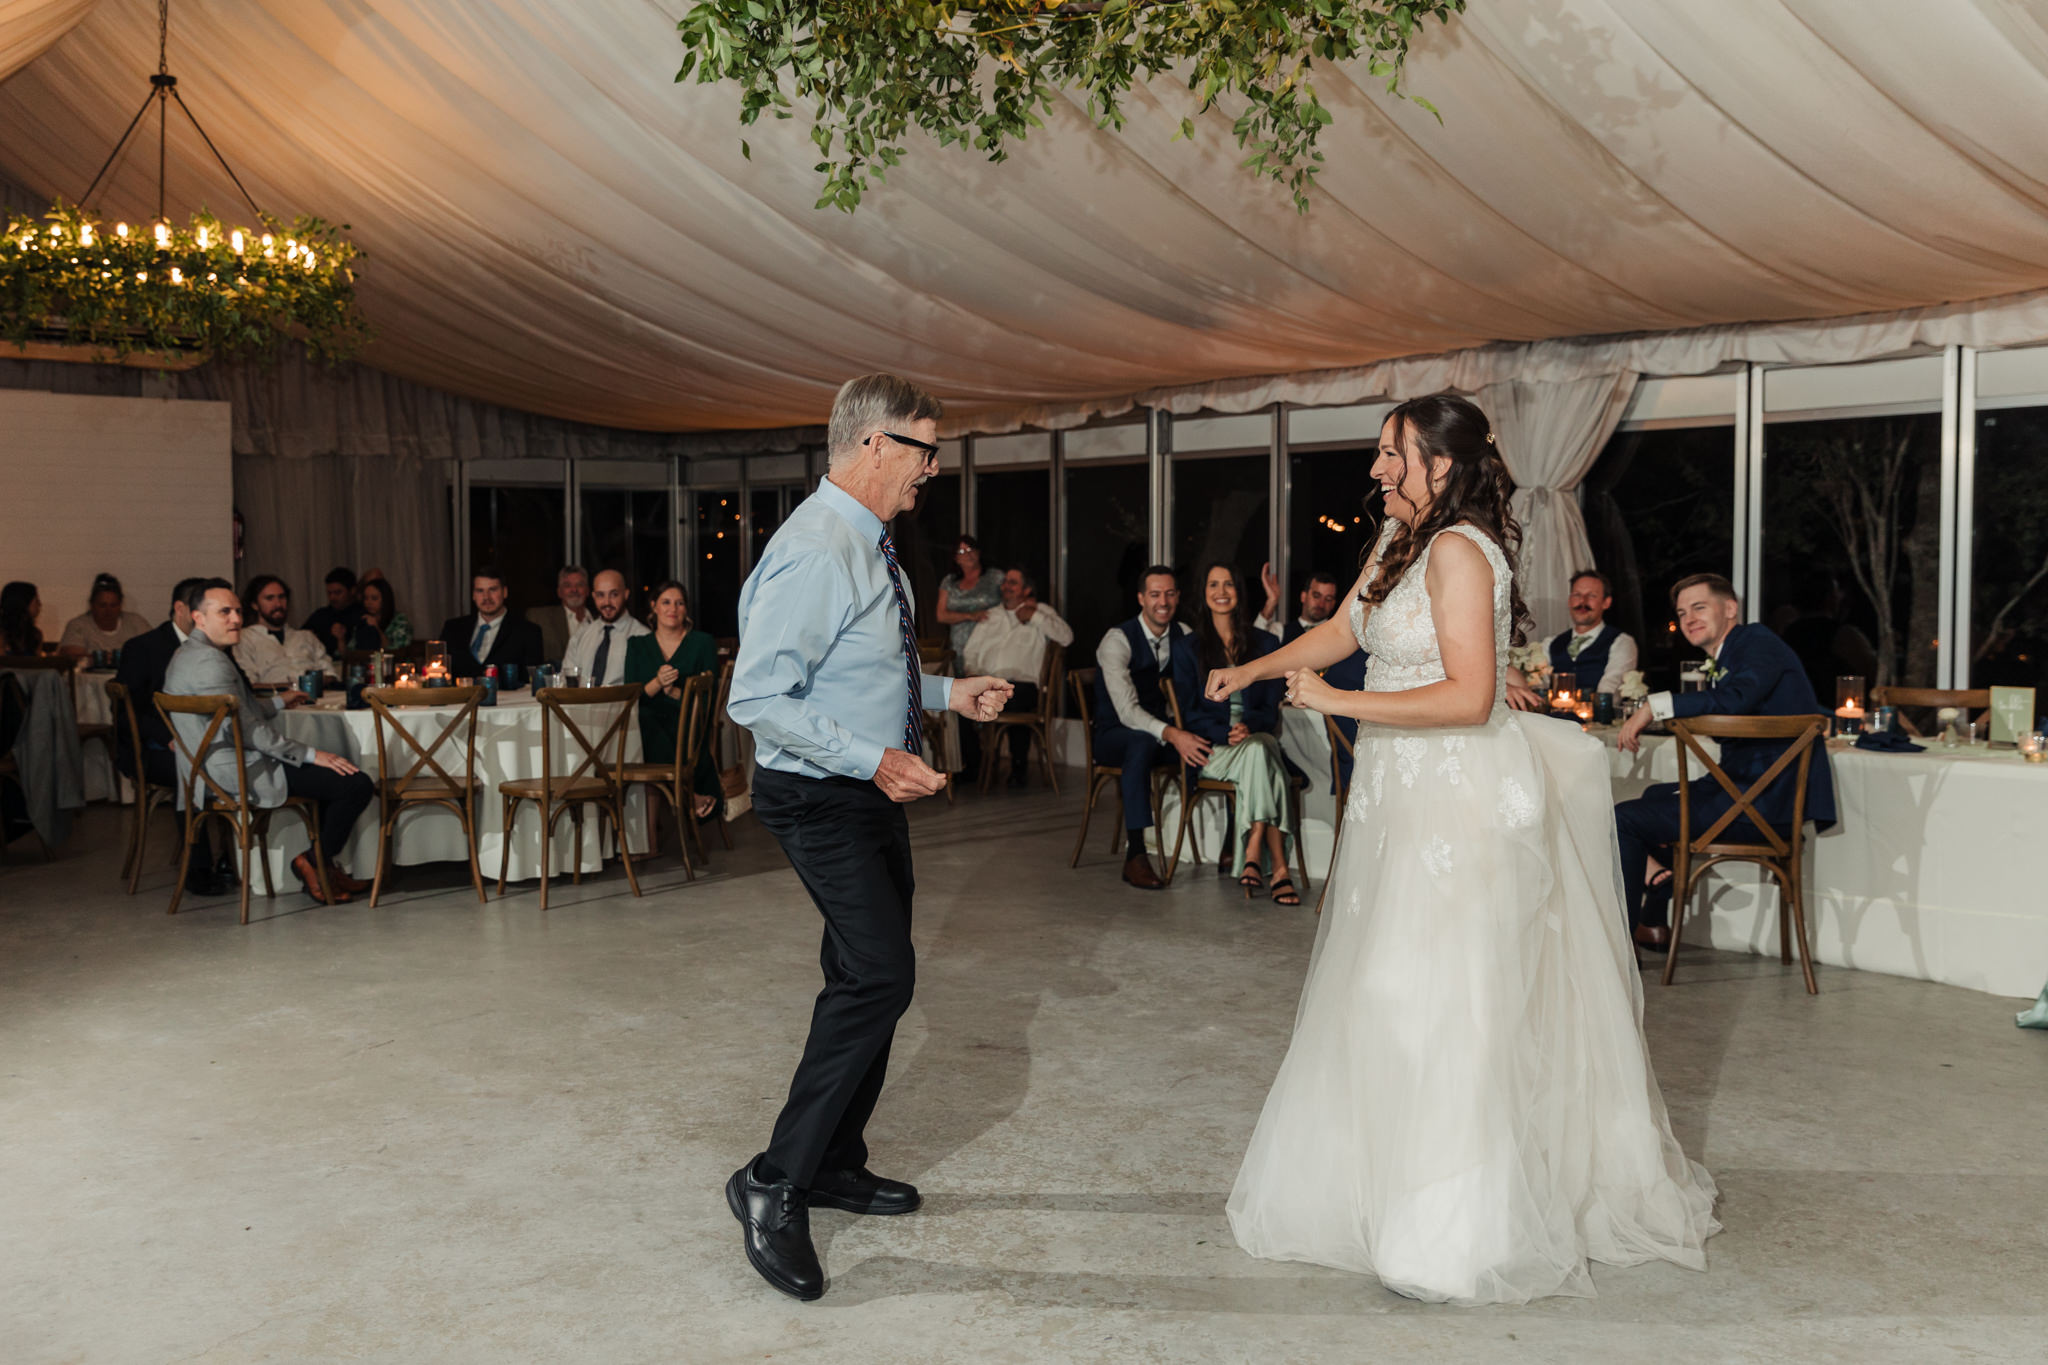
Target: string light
(121, 231)
(163, 235)
(203, 243)
(235, 240)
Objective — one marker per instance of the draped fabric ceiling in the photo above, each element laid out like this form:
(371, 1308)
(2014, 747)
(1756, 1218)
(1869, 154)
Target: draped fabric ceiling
(554, 225)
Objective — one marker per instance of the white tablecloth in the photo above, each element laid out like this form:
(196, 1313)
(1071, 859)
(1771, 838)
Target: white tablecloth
(95, 709)
(1937, 869)
(507, 747)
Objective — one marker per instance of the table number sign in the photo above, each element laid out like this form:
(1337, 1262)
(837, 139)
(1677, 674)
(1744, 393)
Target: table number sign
(2012, 714)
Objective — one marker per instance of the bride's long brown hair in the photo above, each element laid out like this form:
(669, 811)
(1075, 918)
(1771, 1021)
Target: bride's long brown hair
(1477, 491)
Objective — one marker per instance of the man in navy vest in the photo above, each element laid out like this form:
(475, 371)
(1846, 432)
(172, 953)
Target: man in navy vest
(1598, 653)
(1130, 710)
(1751, 673)
(1318, 604)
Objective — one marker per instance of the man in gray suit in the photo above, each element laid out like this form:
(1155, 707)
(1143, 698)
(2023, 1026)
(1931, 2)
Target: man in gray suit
(278, 767)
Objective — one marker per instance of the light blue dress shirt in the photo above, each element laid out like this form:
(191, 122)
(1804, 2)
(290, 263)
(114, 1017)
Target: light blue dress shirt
(820, 674)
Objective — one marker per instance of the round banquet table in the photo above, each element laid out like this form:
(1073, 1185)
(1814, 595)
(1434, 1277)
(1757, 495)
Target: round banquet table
(507, 747)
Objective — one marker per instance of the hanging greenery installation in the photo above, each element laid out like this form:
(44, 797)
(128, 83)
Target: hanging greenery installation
(207, 288)
(980, 75)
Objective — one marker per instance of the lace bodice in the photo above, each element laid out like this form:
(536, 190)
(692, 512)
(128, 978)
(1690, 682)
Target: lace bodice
(1401, 635)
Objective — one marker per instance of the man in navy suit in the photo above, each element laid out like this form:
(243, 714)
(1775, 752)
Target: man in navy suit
(1752, 673)
(491, 634)
(1130, 710)
(1318, 604)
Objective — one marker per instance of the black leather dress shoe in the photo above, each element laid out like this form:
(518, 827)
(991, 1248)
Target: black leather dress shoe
(776, 1228)
(1653, 936)
(225, 871)
(862, 1191)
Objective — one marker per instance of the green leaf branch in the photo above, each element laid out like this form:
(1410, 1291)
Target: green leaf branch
(981, 75)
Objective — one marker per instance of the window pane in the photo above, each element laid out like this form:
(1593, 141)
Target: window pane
(520, 531)
(2009, 560)
(650, 545)
(764, 515)
(1013, 521)
(1852, 544)
(1108, 532)
(716, 602)
(605, 540)
(1660, 505)
(1219, 517)
(1336, 511)
(926, 537)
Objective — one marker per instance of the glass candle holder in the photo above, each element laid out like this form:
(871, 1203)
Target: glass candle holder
(436, 657)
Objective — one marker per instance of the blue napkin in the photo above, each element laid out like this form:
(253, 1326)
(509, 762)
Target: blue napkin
(1888, 742)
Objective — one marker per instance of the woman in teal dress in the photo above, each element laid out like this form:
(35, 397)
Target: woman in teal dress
(660, 662)
(1244, 734)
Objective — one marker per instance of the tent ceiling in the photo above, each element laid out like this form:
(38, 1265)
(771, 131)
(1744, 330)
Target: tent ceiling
(554, 225)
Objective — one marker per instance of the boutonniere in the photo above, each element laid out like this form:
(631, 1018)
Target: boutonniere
(1712, 671)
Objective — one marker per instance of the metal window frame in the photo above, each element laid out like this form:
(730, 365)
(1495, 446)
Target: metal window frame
(1956, 632)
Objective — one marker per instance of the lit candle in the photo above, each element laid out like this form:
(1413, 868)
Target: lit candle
(1849, 710)
(235, 240)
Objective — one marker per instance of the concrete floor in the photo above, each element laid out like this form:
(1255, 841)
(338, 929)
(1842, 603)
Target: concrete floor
(440, 1131)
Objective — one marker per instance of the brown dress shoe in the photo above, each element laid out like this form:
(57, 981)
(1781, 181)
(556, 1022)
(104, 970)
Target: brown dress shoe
(1653, 936)
(1138, 872)
(342, 881)
(303, 869)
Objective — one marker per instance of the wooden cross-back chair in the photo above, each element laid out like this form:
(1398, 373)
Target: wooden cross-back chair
(1191, 792)
(202, 797)
(13, 715)
(1932, 699)
(148, 795)
(1082, 682)
(675, 776)
(1037, 721)
(425, 782)
(594, 781)
(1341, 748)
(1780, 853)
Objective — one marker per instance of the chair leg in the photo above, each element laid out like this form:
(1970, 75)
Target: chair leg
(476, 875)
(1798, 898)
(1087, 814)
(685, 813)
(1336, 841)
(1173, 863)
(1044, 735)
(510, 809)
(618, 809)
(242, 835)
(143, 808)
(184, 864)
(547, 839)
(1784, 923)
(1681, 897)
(385, 819)
(576, 819)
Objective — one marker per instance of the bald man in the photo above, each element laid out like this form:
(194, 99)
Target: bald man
(598, 648)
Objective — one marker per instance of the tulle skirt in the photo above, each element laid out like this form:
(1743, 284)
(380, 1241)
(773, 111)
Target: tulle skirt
(1467, 1109)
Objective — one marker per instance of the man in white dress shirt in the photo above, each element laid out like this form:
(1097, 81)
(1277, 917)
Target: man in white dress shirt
(1592, 654)
(597, 651)
(271, 653)
(1011, 645)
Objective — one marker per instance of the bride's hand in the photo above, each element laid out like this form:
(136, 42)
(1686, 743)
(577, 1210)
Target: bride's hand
(1222, 682)
(1307, 690)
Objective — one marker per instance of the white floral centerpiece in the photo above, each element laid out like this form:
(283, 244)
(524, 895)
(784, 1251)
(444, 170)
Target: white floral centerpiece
(1633, 688)
(1533, 660)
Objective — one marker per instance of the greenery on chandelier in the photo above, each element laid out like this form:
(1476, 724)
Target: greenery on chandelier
(979, 75)
(206, 288)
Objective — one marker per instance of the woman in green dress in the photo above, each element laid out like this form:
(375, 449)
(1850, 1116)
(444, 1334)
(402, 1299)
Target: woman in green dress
(659, 662)
(1244, 731)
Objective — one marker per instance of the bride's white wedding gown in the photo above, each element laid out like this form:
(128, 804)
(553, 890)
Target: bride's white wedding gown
(1467, 1109)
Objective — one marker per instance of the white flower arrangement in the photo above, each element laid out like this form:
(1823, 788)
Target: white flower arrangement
(1533, 659)
(1633, 688)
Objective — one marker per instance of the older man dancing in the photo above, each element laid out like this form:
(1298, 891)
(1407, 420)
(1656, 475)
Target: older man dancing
(828, 680)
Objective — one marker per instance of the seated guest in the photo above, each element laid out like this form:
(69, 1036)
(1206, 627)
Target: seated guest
(597, 651)
(144, 661)
(334, 624)
(490, 634)
(269, 652)
(1130, 713)
(105, 626)
(560, 620)
(1318, 603)
(20, 605)
(1751, 673)
(1593, 656)
(660, 660)
(383, 625)
(965, 596)
(1010, 643)
(278, 767)
(1243, 734)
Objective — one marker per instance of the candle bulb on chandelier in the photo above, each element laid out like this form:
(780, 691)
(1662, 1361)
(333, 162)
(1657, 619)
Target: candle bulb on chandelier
(163, 234)
(121, 230)
(235, 240)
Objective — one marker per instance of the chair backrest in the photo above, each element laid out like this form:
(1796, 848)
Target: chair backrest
(554, 703)
(385, 700)
(940, 654)
(1803, 734)
(1932, 698)
(125, 717)
(693, 723)
(1081, 682)
(1338, 744)
(1052, 670)
(219, 710)
(716, 725)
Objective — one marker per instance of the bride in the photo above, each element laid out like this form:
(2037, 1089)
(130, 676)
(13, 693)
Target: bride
(1467, 1109)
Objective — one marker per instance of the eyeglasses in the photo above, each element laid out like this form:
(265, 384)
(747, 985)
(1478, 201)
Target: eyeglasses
(931, 452)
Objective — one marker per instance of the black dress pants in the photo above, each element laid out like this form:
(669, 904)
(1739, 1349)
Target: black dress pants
(342, 800)
(850, 845)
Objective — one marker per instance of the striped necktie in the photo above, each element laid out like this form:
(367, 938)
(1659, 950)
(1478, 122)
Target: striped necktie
(913, 728)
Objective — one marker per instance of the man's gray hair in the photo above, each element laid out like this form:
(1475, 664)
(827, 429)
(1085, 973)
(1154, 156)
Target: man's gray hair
(568, 569)
(872, 403)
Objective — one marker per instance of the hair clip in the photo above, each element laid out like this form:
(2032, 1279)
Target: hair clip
(1489, 438)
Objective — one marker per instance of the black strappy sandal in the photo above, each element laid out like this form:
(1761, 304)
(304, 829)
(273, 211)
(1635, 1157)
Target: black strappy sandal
(1253, 878)
(1288, 896)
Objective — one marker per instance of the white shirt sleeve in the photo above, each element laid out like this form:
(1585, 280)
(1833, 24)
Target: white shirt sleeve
(1113, 657)
(1621, 658)
(1660, 705)
(1053, 627)
(1267, 624)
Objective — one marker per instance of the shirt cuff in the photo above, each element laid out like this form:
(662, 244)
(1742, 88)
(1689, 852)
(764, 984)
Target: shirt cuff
(938, 692)
(1660, 705)
(864, 759)
(1154, 727)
